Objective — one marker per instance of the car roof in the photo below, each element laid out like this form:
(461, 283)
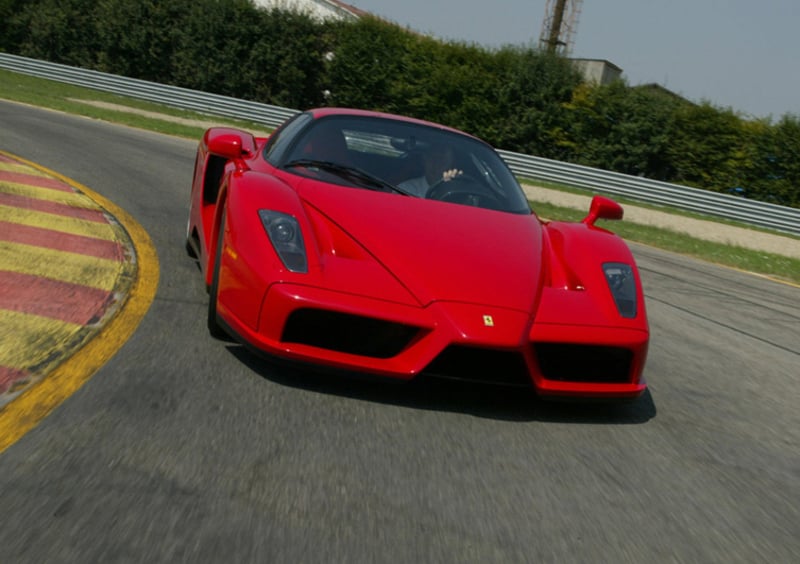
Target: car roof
(325, 112)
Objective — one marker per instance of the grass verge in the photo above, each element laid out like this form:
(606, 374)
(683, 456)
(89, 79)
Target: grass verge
(77, 100)
(769, 264)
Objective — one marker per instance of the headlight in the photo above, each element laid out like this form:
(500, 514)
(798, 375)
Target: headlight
(287, 239)
(623, 287)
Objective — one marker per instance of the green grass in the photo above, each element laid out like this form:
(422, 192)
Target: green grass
(67, 98)
(776, 266)
(628, 201)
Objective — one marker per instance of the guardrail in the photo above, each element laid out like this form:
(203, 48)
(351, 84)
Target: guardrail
(183, 98)
(751, 212)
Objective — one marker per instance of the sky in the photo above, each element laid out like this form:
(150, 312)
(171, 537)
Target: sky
(737, 54)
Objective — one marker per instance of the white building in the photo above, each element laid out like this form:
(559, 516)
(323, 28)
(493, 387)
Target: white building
(598, 71)
(317, 9)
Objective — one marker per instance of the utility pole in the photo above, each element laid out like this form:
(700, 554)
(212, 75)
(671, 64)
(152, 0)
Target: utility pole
(555, 27)
(559, 25)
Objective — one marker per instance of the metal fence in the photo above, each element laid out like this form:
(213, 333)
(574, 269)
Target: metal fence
(183, 98)
(751, 212)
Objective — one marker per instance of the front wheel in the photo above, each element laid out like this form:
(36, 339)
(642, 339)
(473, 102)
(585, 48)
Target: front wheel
(189, 246)
(214, 327)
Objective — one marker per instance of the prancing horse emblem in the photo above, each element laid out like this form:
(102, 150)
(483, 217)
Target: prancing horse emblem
(488, 321)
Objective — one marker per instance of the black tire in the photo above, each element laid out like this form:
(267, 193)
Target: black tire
(190, 249)
(214, 327)
(189, 243)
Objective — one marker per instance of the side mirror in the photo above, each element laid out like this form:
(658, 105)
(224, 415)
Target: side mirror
(602, 208)
(231, 144)
(227, 145)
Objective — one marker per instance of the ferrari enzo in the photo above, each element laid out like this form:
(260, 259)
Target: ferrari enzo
(386, 245)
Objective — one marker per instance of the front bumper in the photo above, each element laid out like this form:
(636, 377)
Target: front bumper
(451, 339)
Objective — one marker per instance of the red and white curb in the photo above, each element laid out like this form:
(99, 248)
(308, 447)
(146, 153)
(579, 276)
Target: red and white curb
(66, 265)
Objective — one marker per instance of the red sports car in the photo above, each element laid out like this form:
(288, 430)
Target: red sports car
(392, 246)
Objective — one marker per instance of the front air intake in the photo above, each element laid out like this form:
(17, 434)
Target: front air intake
(507, 368)
(347, 333)
(565, 362)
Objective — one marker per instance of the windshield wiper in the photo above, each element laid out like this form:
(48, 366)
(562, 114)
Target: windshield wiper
(350, 172)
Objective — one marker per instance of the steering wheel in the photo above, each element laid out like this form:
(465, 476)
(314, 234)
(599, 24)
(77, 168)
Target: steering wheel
(462, 189)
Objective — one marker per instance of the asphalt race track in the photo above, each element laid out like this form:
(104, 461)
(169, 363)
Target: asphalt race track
(186, 449)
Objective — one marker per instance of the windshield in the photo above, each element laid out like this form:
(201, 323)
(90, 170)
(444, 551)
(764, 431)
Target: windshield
(405, 158)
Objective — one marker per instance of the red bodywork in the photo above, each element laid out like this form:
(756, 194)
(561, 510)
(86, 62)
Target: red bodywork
(401, 286)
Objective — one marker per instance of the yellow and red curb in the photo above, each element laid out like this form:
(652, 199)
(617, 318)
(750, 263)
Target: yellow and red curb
(77, 274)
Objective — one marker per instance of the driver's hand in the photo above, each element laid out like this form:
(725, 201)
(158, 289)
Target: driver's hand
(449, 175)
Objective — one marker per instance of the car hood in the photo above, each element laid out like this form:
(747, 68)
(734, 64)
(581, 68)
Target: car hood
(438, 250)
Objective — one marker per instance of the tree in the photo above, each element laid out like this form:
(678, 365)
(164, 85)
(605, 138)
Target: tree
(286, 58)
(619, 128)
(62, 31)
(365, 62)
(773, 168)
(212, 49)
(532, 89)
(12, 29)
(784, 161)
(139, 37)
(448, 83)
(705, 148)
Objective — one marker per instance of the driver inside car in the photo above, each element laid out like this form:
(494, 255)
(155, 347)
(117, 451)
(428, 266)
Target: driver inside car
(438, 165)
